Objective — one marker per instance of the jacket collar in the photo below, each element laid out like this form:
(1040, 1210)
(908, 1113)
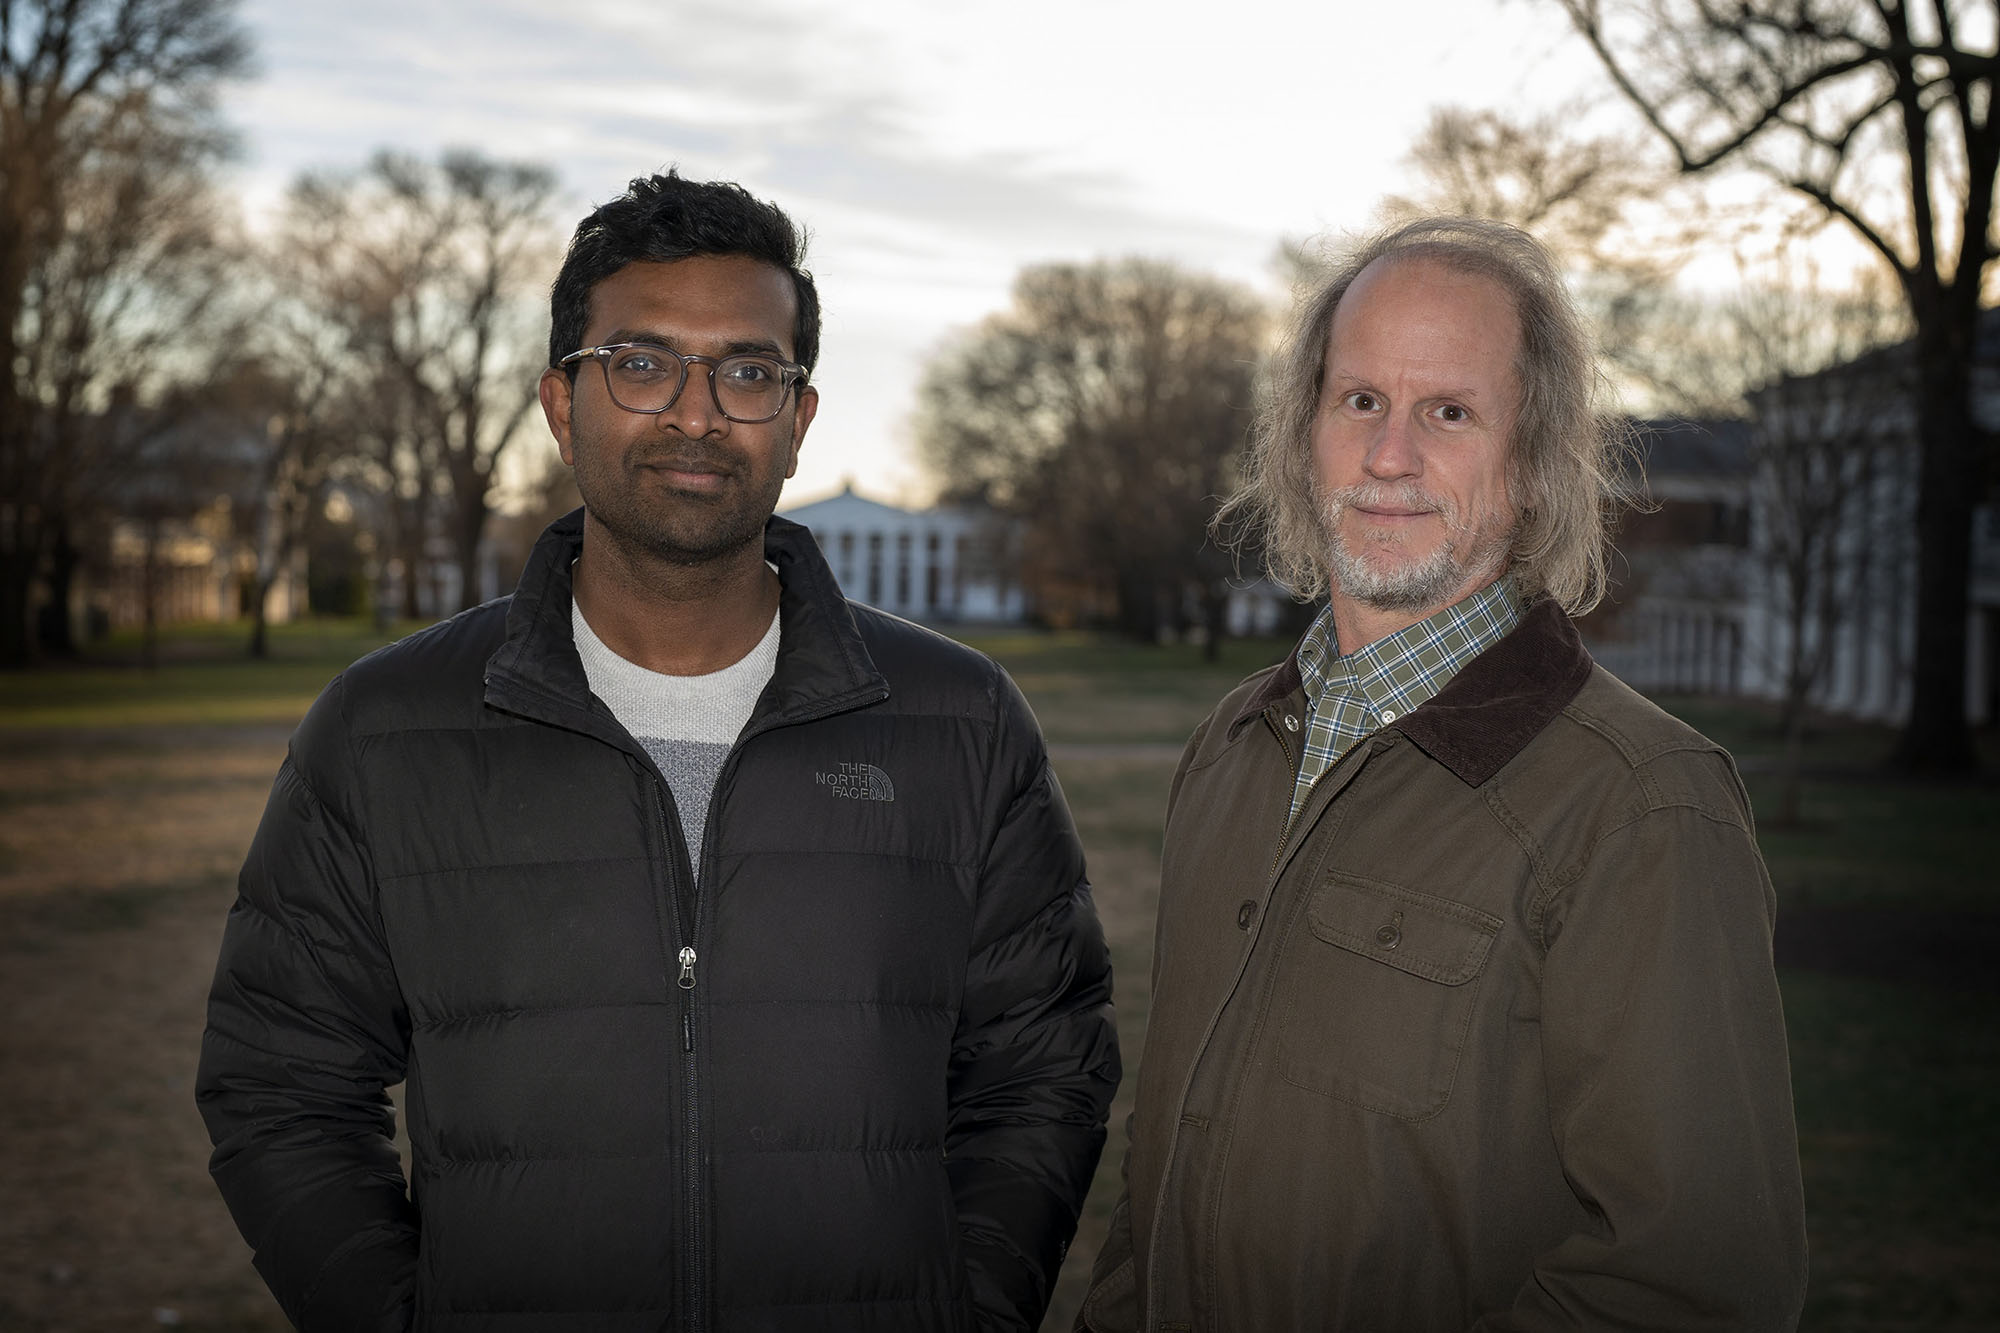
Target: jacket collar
(1495, 705)
(823, 665)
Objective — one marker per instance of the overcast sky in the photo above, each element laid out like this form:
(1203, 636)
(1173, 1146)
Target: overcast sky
(932, 148)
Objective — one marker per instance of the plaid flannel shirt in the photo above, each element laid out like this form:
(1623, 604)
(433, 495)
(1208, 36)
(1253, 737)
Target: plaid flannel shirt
(1349, 697)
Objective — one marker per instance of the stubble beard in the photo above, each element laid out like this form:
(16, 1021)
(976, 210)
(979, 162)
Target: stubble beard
(702, 529)
(1391, 581)
(675, 527)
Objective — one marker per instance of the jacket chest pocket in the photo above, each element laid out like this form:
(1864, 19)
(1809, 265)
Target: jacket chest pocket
(1376, 994)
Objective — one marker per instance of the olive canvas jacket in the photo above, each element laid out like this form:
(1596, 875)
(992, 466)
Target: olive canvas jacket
(1490, 1041)
(855, 1078)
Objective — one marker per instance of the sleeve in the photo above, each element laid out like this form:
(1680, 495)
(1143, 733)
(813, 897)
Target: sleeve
(306, 1030)
(1669, 1089)
(1035, 1056)
(1112, 1303)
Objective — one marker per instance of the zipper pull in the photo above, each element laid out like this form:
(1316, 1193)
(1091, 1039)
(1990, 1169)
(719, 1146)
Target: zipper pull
(687, 968)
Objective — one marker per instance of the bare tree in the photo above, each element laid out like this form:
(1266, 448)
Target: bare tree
(1829, 402)
(106, 130)
(430, 270)
(1821, 96)
(1575, 192)
(1613, 211)
(1105, 409)
(184, 464)
(283, 406)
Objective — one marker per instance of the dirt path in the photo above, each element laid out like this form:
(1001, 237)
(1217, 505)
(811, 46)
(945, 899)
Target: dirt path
(117, 864)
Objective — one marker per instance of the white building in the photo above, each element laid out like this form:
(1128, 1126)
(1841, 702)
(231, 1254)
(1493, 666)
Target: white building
(939, 565)
(1674, 620)
(1703, 605)
(1865, 407)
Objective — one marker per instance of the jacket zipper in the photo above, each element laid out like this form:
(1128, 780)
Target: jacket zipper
(687, 909)
(687, 905)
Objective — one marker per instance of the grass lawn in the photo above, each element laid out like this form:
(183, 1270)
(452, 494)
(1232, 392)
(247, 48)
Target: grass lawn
(127, 796)
(204, 677)
(1898, 1095)
(1087, 690)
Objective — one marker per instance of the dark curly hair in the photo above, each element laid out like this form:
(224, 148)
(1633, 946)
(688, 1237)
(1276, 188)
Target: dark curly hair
(661, 218)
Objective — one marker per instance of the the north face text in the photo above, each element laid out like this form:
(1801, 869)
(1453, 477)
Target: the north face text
(858, 782)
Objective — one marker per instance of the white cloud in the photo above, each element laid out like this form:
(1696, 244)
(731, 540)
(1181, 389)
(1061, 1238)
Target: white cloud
(933, 149)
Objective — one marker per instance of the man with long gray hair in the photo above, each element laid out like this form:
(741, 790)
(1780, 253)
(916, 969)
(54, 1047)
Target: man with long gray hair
(1463, 1011)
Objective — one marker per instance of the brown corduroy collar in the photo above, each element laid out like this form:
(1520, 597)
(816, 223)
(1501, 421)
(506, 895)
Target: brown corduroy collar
(1495, 705)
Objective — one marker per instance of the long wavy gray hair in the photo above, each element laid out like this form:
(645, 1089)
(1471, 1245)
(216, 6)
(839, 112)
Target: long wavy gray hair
(1565, 472)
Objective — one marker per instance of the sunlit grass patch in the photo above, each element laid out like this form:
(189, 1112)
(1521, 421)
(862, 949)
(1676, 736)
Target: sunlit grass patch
(203, 676)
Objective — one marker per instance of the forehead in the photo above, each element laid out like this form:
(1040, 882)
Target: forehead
(1416, 315)
(703, 300)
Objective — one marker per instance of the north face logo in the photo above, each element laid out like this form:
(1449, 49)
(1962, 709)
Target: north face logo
(858, 782)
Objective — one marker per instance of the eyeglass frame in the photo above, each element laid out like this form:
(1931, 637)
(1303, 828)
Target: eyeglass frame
(791, 373)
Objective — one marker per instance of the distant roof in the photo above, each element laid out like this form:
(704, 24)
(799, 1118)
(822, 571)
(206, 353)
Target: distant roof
(1678, 447)
(846, 502)
(1894, 357)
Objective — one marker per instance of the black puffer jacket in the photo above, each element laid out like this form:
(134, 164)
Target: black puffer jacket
(857, 1081)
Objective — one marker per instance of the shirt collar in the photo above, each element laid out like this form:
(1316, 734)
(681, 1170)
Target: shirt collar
(1399, 673)
(1499, 702)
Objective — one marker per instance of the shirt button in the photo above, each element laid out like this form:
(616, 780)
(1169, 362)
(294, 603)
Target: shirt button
(1389, 937)
(1388, 715)
(1246, 914)
(1291, 722)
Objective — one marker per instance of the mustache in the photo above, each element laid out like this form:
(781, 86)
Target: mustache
(1390, 495)
(681, 454)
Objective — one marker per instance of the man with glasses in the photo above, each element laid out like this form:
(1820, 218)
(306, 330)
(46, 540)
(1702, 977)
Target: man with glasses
(731, 939)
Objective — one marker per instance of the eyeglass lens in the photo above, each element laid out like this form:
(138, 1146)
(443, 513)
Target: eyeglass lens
(646, 379)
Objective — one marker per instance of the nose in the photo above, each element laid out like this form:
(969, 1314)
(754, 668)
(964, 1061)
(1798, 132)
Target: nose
(1392, 451)
(694, 411)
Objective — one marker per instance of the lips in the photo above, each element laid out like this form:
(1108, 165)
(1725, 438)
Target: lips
(1387, 504)
(694, 465)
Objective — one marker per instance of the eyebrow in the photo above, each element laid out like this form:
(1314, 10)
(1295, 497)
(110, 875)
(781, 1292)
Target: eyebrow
(1348, 380)
(740, 346)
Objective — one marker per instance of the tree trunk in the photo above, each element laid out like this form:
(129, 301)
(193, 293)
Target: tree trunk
(17, 577)
(1936, 740)
(19, 548)
(1138, 606)
(416, 554)
(469, 525)
(260, 620)
(410, 550)
(412, 590)
(1215, 608)
(56, 633)
(1791, 768)
(149, 597)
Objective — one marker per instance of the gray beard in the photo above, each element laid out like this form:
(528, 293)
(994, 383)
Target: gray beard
(1406, 585)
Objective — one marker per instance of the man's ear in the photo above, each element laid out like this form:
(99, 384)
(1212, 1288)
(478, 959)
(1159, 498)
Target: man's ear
(802, 417)
(558, 395)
